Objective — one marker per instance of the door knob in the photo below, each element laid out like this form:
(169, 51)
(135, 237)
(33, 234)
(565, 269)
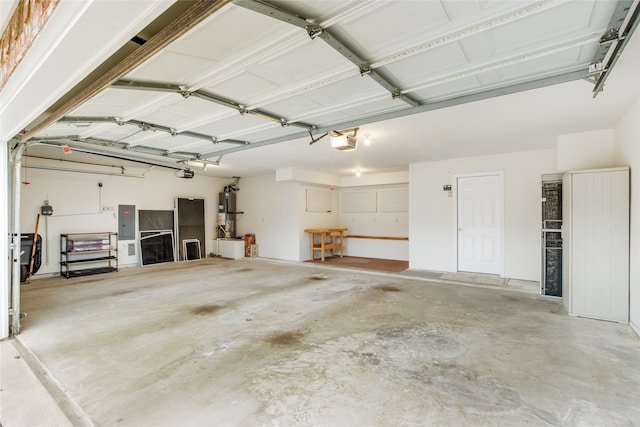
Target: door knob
(460, 229)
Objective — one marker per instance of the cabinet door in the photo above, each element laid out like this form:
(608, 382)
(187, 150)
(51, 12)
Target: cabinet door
(599, 245)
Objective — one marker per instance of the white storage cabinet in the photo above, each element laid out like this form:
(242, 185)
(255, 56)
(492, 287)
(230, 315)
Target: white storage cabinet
(595, 232)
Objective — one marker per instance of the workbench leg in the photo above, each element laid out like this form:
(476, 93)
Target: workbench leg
(312, 239)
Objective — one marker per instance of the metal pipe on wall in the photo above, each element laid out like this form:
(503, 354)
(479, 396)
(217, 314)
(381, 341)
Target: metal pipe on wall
(5, 289)
(56, 168)
(16, 156)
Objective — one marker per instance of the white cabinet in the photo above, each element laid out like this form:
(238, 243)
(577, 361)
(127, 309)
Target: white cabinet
(231, 248)
(596, 244)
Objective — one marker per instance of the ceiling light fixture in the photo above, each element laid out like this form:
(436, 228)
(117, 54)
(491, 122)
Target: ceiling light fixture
(358, 173)
(367, 139)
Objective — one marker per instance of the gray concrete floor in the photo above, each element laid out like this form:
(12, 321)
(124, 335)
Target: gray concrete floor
(253, 342)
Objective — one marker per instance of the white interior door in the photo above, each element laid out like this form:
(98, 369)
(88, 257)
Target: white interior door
(480, 224)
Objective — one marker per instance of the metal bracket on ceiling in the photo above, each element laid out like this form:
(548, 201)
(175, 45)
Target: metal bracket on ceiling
(314, 140)
(150, 127)
(365, 69)
(609, 36)
(145, 126)
(314, 30)
(181, 90)
(621, 26)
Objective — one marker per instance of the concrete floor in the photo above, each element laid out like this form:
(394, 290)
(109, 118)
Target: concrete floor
(253, 342)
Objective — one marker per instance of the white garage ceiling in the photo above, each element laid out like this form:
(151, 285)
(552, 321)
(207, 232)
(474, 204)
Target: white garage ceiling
(251, 86)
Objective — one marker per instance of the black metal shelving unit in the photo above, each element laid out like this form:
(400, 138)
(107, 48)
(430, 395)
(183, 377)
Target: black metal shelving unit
(83, 254)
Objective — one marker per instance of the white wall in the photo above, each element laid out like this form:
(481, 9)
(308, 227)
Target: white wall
(378, 223)
(275, 213)
(432, 224)
(80, 205)
(585, 150)
(627, 153)
(270, 212)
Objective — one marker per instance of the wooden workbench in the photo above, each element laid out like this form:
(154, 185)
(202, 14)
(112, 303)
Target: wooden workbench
(330, 239)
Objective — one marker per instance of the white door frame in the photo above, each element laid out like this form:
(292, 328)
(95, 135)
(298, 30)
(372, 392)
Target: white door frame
(500, 174)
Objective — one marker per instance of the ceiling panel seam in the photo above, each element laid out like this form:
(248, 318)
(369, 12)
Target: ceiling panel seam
(474, 28)
(283, 44)
(501, 63)
(346, 104)
(280, 46)
(352, 12)
(307, 87)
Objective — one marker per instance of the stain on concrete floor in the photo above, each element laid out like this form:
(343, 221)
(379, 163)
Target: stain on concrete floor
(205, 309)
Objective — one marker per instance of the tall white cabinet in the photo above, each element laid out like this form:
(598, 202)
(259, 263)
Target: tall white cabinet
(595, 231)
